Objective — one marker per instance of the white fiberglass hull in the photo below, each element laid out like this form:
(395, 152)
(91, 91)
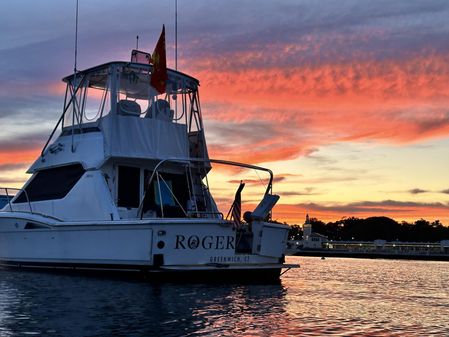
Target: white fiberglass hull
(154, 246)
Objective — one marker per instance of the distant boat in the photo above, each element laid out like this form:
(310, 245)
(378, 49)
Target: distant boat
(124, 187)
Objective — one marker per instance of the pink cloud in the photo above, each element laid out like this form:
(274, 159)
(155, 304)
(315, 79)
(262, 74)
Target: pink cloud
(305, 107)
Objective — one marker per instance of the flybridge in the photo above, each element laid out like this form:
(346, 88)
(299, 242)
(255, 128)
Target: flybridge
(136, 121)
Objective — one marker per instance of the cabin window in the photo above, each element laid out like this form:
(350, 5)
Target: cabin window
(52, 183)
(34, 225)
(128, 187)
(4, 200)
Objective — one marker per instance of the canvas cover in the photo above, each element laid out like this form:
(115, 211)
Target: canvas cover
(137, 137)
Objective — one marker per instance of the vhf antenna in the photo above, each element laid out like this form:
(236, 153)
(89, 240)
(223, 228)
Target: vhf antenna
(76, 36)
(176, 34)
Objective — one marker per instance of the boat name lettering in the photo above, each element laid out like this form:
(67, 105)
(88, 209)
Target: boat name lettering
(224, 259)
(205, 242)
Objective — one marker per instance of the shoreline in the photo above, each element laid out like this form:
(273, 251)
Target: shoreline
(366, 255)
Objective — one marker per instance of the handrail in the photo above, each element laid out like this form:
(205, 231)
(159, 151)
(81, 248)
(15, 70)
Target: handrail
(18, 191)
(8, 199)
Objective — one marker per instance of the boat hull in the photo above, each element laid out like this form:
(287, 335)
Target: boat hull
(168, 249)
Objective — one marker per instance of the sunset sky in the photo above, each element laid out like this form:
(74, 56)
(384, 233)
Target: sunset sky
(346, 101)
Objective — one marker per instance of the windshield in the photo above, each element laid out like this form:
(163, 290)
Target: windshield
(94, 94)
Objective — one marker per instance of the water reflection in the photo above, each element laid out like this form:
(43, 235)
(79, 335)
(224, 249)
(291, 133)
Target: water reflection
(48, 304)
(369, 297)
(333, 297)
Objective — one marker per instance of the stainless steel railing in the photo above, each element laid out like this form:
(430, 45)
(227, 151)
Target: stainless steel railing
(10, 193)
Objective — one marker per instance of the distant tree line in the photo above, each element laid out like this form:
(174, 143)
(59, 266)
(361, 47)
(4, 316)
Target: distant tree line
(374, 228)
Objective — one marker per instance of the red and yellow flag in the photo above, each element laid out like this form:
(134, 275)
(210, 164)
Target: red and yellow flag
(159, 74)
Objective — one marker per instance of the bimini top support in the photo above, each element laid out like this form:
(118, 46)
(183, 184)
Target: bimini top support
(208, 160)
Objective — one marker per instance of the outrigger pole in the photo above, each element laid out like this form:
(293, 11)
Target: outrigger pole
(76, 36)
(176, 34)
(74, 79)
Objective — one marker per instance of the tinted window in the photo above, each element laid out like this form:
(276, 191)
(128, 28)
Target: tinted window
(53, 183)
(128, 186)
(4, 200)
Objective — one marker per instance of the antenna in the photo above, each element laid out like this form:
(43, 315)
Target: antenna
(137, 42)
(76, 36)
(176, 34)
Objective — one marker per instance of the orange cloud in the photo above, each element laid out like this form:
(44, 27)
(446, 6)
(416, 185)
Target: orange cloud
(255, 154)
(12, 156)
(392, 101)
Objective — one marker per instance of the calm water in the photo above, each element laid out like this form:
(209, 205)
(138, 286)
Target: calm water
(337, 297)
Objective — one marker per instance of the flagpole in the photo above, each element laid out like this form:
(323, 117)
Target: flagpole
(176, 48)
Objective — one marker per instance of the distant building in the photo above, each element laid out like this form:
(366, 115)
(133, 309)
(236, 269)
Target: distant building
(307, 228)
(310, 239)
(445, 246)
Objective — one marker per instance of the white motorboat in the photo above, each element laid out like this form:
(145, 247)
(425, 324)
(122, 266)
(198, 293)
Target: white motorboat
(121, 185)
